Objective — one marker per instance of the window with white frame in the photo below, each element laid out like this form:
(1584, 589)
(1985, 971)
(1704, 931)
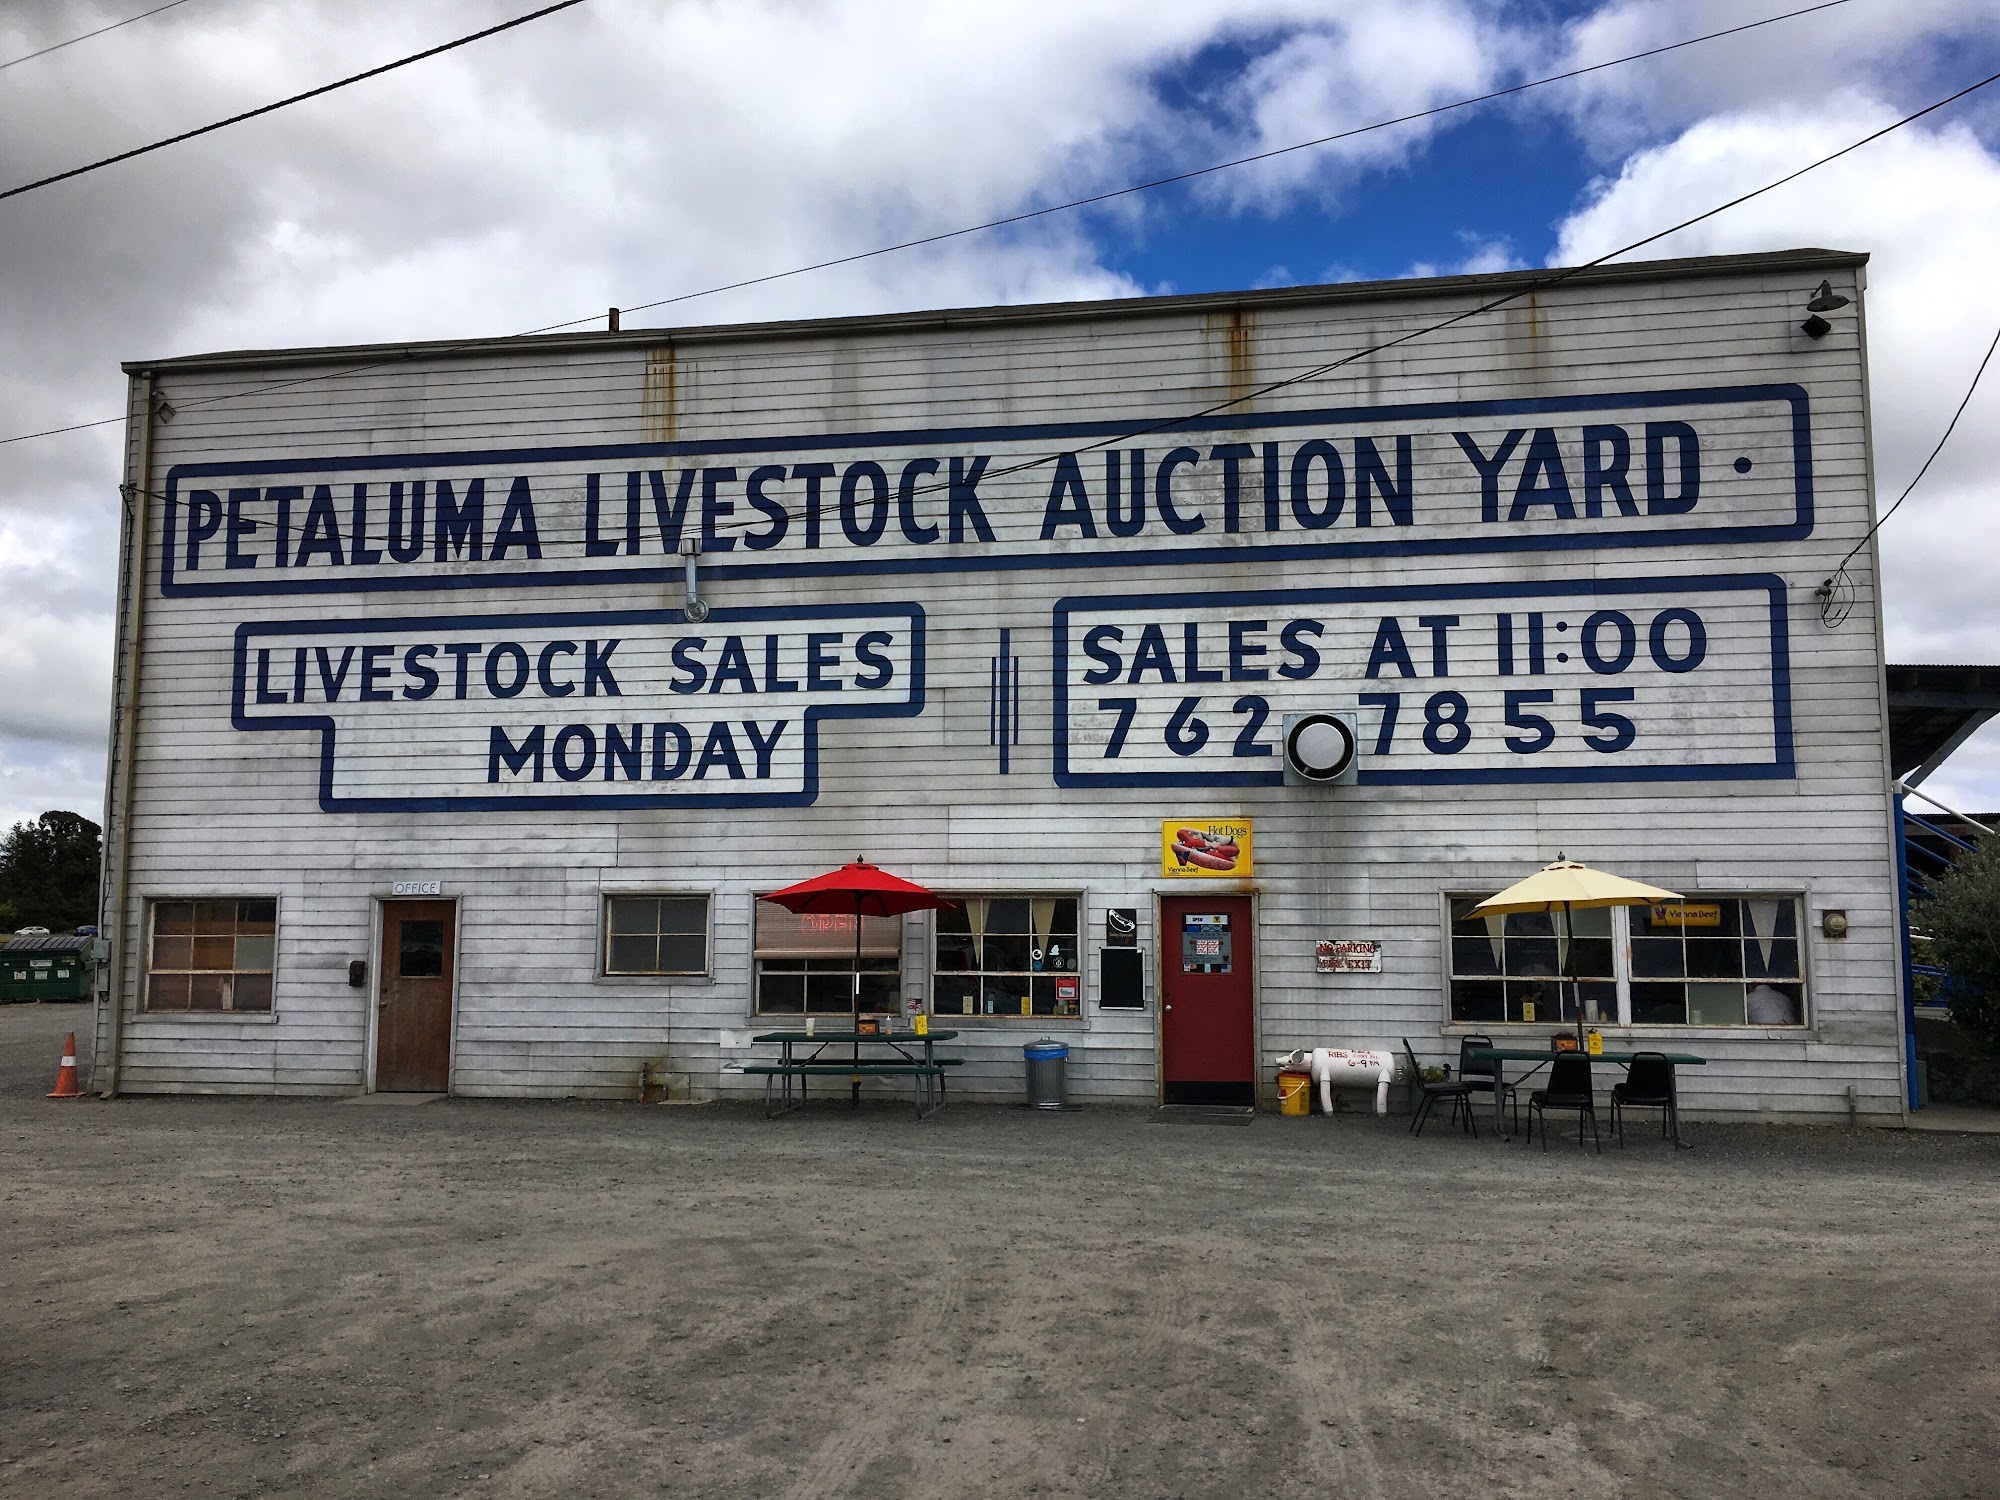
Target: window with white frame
(806, 963)
(1707, 960)
(211, 955)
(656, 934)
(1006, 956)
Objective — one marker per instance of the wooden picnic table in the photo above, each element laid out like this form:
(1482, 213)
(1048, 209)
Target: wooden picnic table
(1543, 1056)
(926, 1072)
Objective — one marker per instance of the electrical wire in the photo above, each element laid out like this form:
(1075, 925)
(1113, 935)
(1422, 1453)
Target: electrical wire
(451, 345)
(272, 108)
(1950, 427)
(31, 56)
(1189, 176)
(1531, 288)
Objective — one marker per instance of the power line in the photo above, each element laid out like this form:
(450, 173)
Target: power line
(448, 347)
(1539, 284)
(1950, 427)
(31, 56)
(265, 109)
(1189, 176)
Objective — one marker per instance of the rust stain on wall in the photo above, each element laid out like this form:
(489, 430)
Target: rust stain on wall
(1528, 334)
(1229, 335)
(660, 403)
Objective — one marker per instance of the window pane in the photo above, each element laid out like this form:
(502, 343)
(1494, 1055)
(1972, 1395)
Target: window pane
(879, 995)
(253, 992)
(684, 954)
(1004, 994)
(632, 915)
(684, 914)
(631, 955)
(214, 953)
(1656, 958)
(953, 995)
(1658, 1004)
(1590, 958)
(1783, 962)
(830, 994)
(1714, 958)
(1478, 1000)
(1600, 1003)
(254, 953)
(1462, 920)
(215, 916)
(420, 950)
(257, 916)
(1530, 924)
(1006, 954)
(1473, 955)
(1774, 1005)
(1532, 1001)
(1005, 914)
(1531, 956)
(956, 952)
(173, 916)
(1715, 1004)
(173, 953)
(1590, 922)
(167, 992)
(780, 993)
(206, 991)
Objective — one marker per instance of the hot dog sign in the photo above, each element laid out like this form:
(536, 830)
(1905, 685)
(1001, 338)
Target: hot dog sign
(1205, 848)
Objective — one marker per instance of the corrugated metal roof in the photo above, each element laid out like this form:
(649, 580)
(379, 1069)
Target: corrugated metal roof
(1807, 262)
(52, 943)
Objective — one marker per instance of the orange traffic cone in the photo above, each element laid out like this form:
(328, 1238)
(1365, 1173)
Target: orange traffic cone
(66, 1080)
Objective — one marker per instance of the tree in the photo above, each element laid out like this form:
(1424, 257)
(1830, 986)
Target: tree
(1963, 922)
(49, 871)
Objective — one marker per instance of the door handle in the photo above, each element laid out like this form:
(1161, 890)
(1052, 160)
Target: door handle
(1166, 1007)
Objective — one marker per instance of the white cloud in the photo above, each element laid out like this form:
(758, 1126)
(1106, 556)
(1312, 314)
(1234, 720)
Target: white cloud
(1925, 202)
(628, 151)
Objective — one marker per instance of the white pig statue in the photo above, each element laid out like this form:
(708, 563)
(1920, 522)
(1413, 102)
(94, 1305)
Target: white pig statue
(1347, 1067)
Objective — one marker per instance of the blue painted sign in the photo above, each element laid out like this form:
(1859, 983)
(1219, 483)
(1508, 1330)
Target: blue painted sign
(633, 708)
(1661, 468)
(1631, 679)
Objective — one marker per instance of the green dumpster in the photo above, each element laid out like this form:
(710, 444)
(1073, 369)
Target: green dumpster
(42, 967)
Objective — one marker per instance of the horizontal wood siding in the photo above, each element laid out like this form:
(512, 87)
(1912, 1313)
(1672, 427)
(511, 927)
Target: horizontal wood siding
(224, 810)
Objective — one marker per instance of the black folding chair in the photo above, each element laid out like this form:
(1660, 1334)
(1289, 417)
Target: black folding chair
(1483, 1075)
(1649, 1084)
(1569, 1088)
(1458, 1093)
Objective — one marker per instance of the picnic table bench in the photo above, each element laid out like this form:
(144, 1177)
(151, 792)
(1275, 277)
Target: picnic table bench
(926, 1073)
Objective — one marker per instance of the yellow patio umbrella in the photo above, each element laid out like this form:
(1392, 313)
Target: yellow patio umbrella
(1563, 886)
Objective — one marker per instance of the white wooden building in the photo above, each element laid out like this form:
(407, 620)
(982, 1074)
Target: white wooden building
(428, 773)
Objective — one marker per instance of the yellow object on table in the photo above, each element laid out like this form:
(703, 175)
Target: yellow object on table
(922, 1024)
(1593, 1042)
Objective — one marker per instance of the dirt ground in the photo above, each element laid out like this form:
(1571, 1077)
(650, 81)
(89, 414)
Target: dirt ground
(224, 1297)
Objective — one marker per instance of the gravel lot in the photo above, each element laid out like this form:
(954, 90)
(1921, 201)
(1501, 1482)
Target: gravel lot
(226, 1297)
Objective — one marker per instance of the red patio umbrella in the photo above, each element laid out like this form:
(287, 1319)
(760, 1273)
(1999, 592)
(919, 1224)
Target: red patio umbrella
(864, 890)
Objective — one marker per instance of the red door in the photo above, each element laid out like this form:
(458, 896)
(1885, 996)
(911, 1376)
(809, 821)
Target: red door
(413, 1011)
(1208, 1038)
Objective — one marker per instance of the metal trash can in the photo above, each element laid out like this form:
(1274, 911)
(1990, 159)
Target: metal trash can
(1047, 1060)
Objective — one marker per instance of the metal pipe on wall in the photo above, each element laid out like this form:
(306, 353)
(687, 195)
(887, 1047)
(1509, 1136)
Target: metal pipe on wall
(118, 794)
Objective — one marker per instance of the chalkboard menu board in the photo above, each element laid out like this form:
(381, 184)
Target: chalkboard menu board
(1122, 979)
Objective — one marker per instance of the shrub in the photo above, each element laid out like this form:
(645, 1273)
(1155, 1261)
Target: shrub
(1963, 924)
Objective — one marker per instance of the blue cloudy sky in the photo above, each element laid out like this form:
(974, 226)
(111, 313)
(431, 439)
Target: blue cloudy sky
(631, 150)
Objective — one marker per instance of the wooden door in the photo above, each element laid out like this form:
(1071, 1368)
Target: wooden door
(1208, 1034)
(413, 1007)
